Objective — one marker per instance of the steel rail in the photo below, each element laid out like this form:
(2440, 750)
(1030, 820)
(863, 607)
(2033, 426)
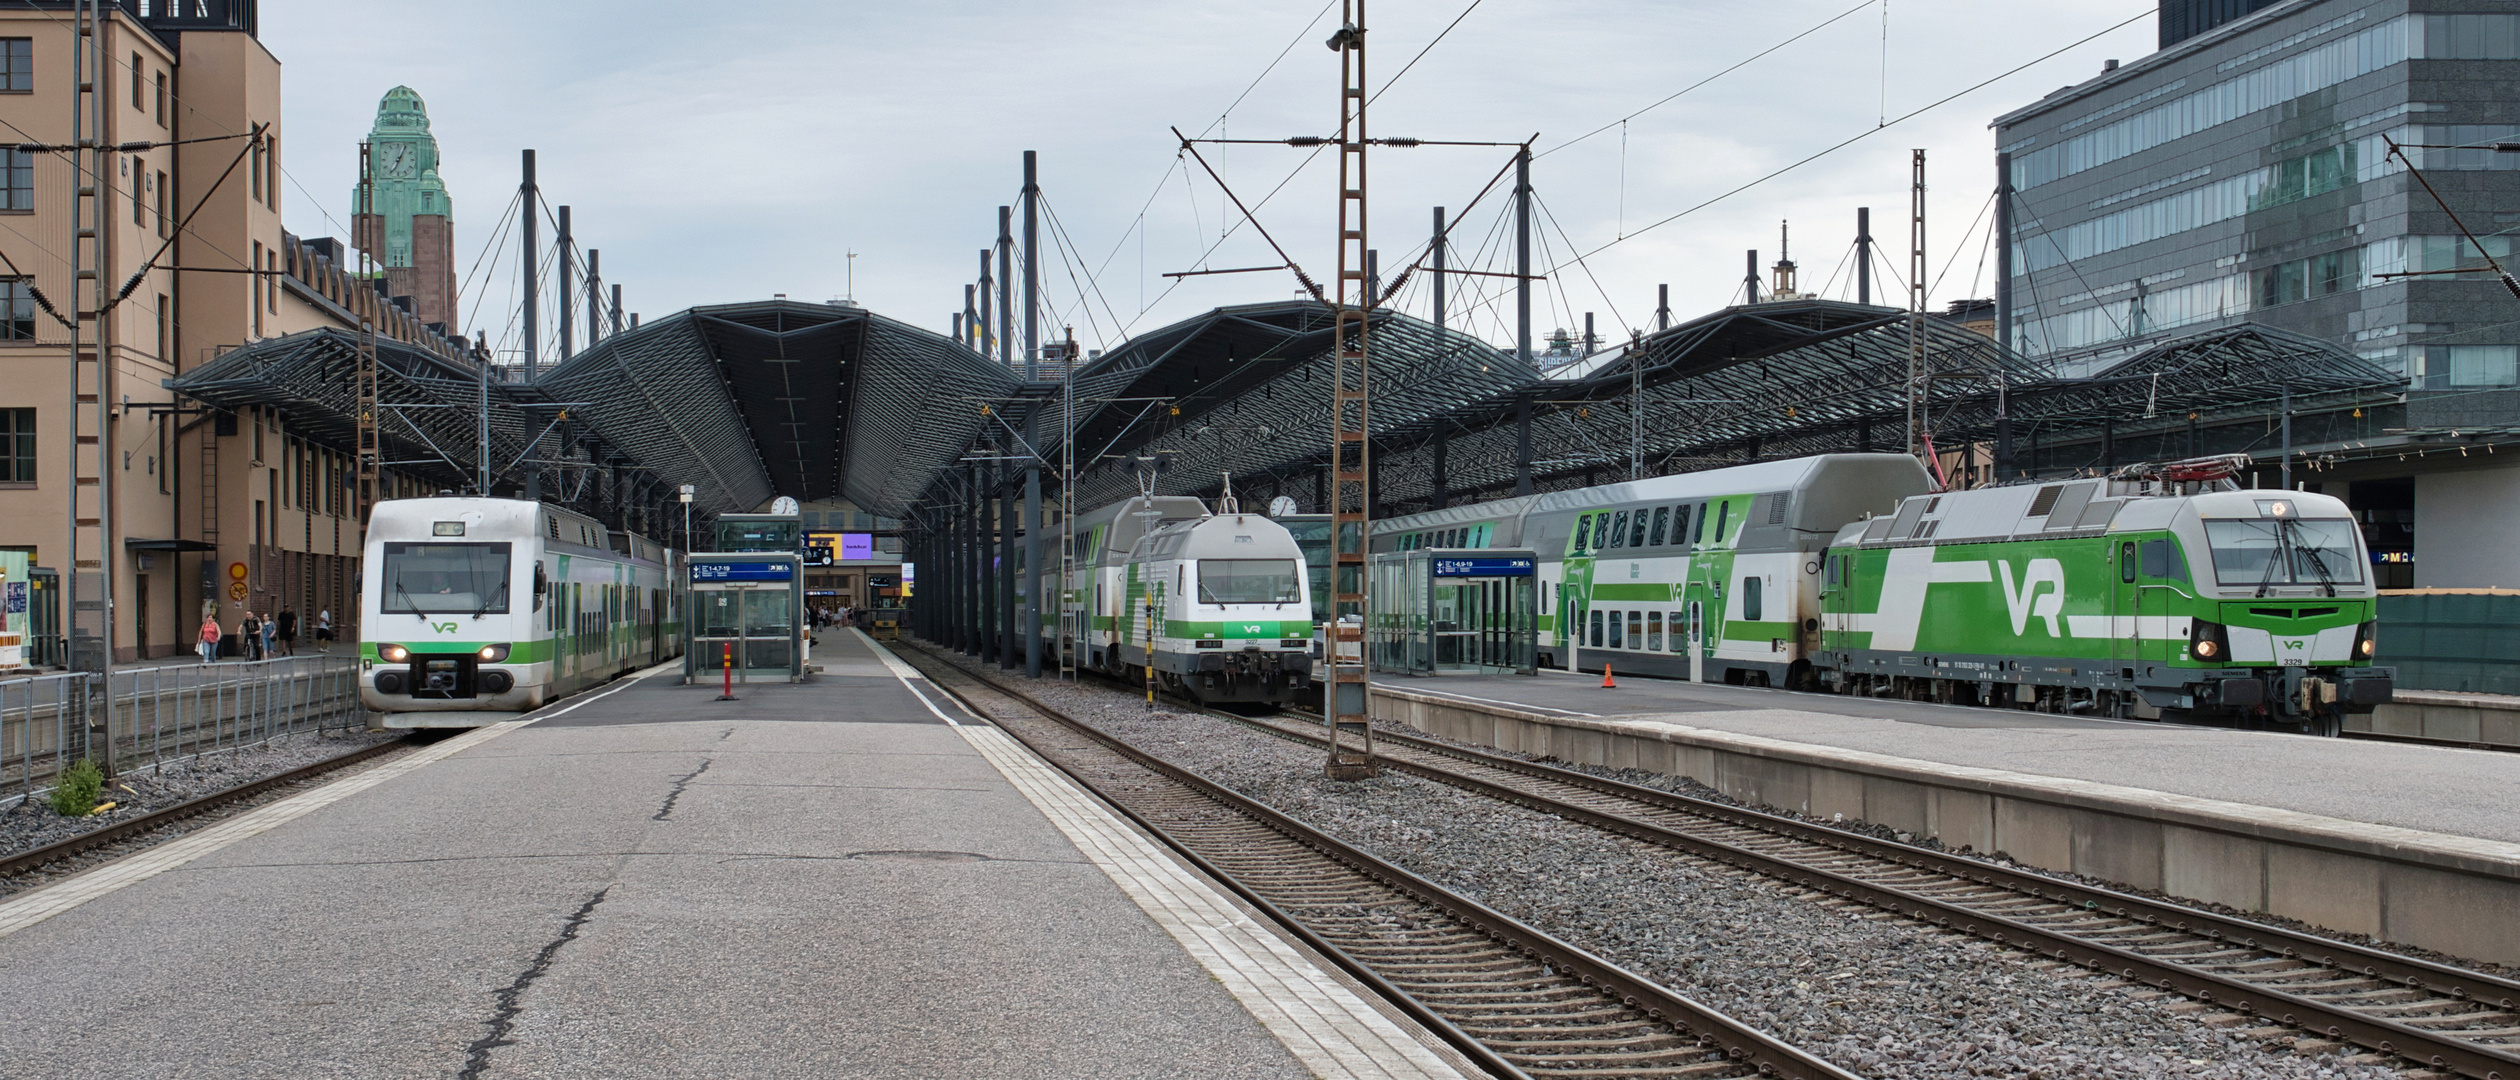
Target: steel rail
(2429, 740)
(1751, 1050)
(2438, 988)
(35, 858)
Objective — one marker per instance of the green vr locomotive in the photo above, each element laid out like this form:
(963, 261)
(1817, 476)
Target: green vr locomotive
(2159, 591)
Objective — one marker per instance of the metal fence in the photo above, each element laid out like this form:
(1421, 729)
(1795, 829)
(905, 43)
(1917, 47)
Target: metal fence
(49, 721)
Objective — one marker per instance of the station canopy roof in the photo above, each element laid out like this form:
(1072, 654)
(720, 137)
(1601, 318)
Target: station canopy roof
(819, 401)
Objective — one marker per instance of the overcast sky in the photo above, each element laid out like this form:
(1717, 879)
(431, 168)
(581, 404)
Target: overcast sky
(725, 152)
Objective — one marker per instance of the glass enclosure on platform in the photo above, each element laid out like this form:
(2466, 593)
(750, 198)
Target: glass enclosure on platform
(1455, 611)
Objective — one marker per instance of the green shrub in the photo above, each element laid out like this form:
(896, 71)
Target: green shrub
(76, 794)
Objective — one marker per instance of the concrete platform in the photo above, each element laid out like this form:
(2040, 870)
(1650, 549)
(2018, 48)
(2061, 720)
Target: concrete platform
(844, 877)
(2409, 843)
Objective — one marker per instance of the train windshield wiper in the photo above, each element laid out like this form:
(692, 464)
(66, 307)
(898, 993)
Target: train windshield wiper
(2275, 560)
(2292, 531)
(410, 602)
(499, 597)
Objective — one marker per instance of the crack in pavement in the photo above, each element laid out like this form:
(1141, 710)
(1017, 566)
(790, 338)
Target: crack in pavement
(511, 999)
(666, 812)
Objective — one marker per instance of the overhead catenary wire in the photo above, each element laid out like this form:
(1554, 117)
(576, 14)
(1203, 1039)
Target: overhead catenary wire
(1870, 132)
(1745, 62)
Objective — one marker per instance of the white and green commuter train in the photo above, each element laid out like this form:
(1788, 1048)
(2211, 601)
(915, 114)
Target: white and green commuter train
(1219, 605)
(473, 607)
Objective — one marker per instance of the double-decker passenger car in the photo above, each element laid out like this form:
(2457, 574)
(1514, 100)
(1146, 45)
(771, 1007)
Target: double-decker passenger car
(1631, 573)
(474, 606)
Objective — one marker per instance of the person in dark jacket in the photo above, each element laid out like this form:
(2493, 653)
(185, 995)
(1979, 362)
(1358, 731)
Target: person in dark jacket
(249, 636)
(288, 631)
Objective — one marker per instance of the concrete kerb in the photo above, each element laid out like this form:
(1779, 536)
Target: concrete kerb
(2453, 894)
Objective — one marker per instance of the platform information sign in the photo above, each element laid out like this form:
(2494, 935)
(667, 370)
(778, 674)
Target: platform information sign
(742, 572)
(1485, 567)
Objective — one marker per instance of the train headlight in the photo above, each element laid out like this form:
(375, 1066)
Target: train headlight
(393, 654)
(494, 653)
(2367, 641)
(2208, 641)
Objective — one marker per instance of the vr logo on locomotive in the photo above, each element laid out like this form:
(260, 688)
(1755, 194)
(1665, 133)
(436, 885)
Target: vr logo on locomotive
(2027, 602)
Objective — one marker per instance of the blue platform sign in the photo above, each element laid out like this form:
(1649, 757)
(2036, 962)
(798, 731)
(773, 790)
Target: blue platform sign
(1484, 567)
(772, 571)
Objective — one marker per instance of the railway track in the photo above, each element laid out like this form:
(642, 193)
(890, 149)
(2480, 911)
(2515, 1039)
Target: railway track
(2430, 1014)
(1515, 1000)
(89, 848)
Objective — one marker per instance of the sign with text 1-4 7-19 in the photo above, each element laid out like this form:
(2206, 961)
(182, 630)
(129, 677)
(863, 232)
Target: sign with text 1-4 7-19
(1507, 567)
(777, 571)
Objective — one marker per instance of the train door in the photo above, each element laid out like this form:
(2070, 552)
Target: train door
(1697, 641)
(2126, 611)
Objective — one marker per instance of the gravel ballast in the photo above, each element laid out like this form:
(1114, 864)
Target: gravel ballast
(144, 789)
(1873, 994)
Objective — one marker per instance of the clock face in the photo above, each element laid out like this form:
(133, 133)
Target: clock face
(398, 160)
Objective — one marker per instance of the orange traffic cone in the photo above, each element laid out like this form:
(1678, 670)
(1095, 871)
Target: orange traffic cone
(1607, 683)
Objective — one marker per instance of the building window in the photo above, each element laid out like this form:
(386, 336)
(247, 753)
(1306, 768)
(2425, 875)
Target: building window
(17, 65)
(17, 192)
(139, 202)
(136, 95)
(271, 189)
(166, 331)
(17, 309)
(2463, 367)
(17, 445)
(161, 99)
(257, 155)
(157, 193)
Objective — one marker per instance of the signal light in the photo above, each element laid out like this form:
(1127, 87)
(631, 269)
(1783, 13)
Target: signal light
(2367, 641)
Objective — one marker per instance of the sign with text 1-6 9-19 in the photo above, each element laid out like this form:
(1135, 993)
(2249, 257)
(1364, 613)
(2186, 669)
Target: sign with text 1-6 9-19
(742, 572)
(1483, 567)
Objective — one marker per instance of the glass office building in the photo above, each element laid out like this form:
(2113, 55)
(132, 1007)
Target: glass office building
(2243, 174)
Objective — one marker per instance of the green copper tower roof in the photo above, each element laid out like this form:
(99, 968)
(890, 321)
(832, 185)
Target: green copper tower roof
(403, 157)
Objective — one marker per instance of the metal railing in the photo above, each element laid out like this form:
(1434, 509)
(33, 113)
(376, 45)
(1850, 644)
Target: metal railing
(48, 722)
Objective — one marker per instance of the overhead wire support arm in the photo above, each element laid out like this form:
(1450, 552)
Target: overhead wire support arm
(1309, 284)
(2507, 281)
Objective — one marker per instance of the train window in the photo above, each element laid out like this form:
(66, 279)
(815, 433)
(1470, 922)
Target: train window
(1680, 524)
(1662, 525)
(1618, 636)
(1636, 629)
(1699, 537)
(423, 579)
(1583, 531)
(1618, 531)
(1637, 538)
(2161, 560)
(1833, 578)
(1723, 516)
(1679, 638)
(2126, 562)
(542, 585)
(1248, 581)
(1596, 629)
(1750, 609)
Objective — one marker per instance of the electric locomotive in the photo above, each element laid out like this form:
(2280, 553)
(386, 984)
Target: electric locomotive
(1217, 604)
(475, 607)
(2159, 592)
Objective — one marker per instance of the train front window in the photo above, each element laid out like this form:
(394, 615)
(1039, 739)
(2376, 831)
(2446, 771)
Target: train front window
(1248, 581)
(2280, 551)
(443, 579)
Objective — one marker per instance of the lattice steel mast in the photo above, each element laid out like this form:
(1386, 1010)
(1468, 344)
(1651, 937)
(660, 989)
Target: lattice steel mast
(91, 433)
(1346, 703)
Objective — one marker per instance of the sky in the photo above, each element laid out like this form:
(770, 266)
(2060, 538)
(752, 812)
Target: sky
(719, 153)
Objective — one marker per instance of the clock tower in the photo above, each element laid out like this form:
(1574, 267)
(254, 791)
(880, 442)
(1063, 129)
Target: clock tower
(410, 228)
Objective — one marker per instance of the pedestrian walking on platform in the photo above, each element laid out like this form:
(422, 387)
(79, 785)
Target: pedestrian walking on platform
(249, 637)
(209, 639)
(323, 631)
(288, 630)
(270, 637)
